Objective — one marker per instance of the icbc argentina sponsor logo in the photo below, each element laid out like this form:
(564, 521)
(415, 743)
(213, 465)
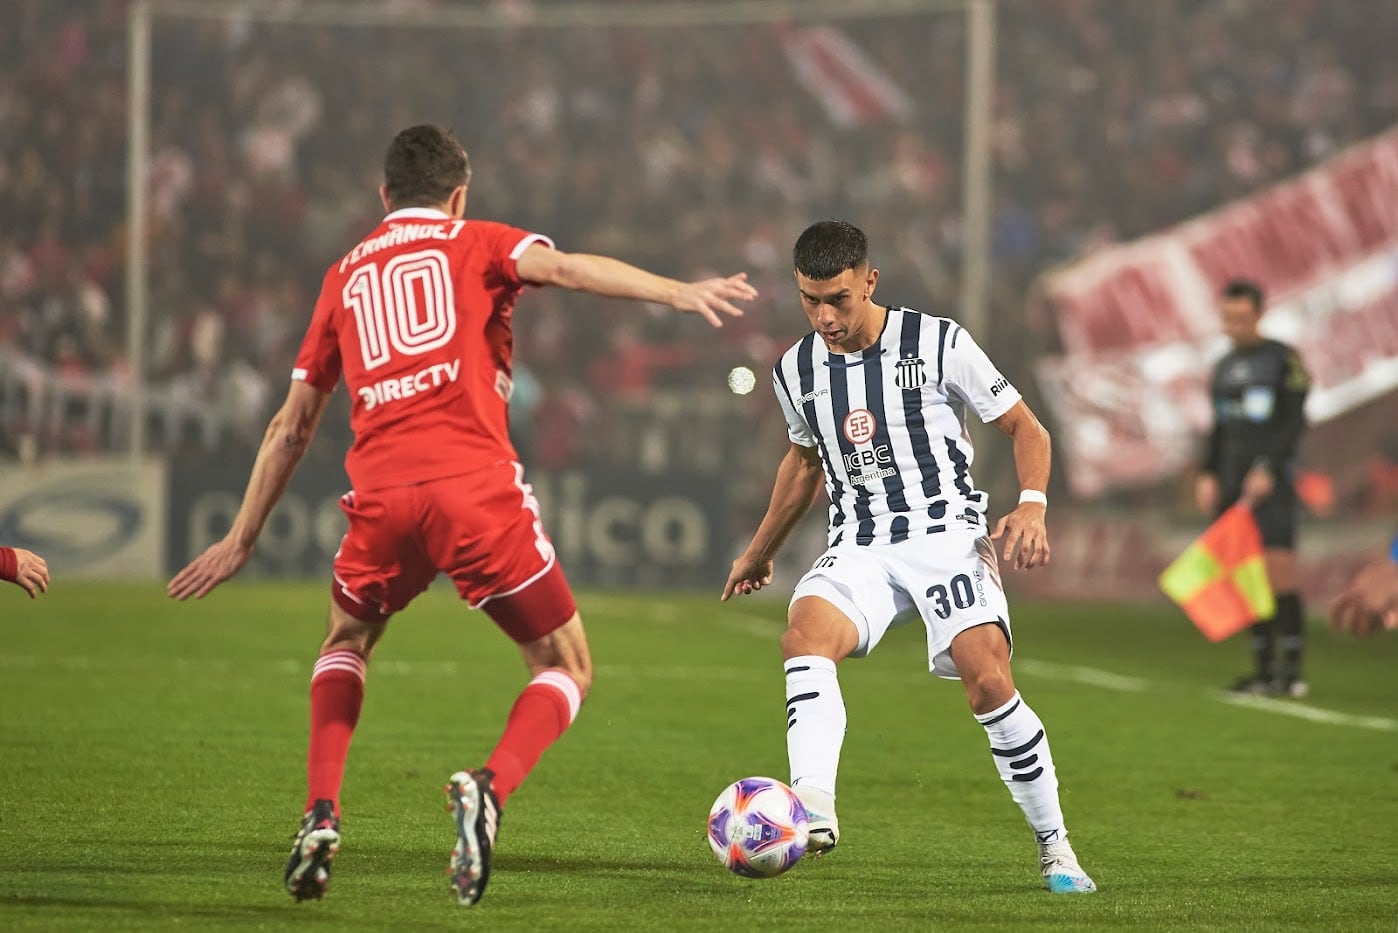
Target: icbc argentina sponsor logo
(859, 425)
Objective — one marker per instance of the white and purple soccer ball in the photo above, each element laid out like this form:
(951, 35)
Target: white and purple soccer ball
(758, 827)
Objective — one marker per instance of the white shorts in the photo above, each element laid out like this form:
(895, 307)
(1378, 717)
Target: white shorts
(950, 581)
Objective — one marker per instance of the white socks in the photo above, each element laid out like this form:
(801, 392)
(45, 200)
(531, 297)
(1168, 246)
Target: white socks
(1021, 752)
(815, 731)
(815, 721)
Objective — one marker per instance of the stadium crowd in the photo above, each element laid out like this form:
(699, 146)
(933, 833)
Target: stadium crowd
(684, 149)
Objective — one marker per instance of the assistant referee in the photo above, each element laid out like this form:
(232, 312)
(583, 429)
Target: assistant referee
(1258, 392)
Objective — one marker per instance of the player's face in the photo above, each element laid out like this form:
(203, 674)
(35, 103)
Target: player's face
(841, 309)
(1240, 319)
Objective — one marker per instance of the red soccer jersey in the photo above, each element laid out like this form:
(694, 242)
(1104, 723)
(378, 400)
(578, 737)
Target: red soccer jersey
(417, 316)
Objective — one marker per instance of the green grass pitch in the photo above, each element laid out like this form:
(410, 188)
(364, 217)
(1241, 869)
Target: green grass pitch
(151, 774)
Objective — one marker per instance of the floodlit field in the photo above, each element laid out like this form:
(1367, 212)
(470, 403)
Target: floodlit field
(151, 774)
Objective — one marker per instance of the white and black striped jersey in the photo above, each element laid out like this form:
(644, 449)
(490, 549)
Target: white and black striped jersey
(890, 425)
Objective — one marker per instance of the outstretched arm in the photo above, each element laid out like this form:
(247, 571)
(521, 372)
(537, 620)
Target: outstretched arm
(798, 480)
(601, 275)
(1023, 530)
(288, 435)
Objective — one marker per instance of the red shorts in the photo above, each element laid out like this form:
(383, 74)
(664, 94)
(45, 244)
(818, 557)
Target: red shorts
(482, 529)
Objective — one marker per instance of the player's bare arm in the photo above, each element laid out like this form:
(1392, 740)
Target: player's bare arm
(1023, 530)
(285, 442)
(25, 569)
(602, 275)
(799, 478)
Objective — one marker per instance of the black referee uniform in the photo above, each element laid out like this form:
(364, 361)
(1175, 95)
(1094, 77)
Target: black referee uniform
(1258, 393)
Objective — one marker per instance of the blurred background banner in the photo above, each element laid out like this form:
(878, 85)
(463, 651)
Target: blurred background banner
(852, 88)
(302, 533)
(98, 518)
(612, 527)
(629, 528)
(1141, 331)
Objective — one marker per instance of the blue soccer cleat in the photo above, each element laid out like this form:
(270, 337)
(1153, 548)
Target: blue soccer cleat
(1062, 873)
(820, 809)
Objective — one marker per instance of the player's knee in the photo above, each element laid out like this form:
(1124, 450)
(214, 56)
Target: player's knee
(357, 643)
(988, 690)
(803, 640)
(564, 650)
(816, 627)
(581, 673)
(346, 633)
(795, 644)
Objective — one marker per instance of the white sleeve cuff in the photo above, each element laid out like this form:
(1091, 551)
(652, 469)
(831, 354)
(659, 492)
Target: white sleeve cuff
(1011, 399)
(528, 241)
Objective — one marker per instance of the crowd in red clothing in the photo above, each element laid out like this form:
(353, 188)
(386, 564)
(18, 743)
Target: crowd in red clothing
(687, 150)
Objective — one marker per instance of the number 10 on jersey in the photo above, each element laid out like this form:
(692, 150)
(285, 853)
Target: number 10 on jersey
(408, 308)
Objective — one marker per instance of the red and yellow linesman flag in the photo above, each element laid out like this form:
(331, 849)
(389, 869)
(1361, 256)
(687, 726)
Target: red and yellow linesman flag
(1220, 581)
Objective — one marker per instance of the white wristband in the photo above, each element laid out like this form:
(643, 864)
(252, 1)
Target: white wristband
(1033, 495)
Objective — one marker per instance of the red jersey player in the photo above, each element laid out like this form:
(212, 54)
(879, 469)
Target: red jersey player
(416, 318)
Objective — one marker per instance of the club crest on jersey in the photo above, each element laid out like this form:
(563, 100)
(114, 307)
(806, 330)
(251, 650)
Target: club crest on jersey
(859, 425)
(910, 374)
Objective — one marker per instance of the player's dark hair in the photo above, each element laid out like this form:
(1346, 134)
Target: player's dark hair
(423, 166)
(1244, 288)
(829, 247)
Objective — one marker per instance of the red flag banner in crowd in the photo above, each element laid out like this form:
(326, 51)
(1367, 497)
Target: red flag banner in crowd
(849, 84)
(1220, 581)
(1139, 320)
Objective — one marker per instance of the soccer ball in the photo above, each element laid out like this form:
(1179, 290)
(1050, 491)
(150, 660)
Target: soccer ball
(758, 828)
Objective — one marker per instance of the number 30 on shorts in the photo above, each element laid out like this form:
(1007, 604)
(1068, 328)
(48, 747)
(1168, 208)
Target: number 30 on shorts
(958, 592)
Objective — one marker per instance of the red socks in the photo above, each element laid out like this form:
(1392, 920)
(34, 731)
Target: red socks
(337, 694)
(543, 712)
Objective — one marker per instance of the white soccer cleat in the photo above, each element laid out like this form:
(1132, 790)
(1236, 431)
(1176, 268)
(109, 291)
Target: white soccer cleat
(820, 809)
(1062, 873)
(308, 871)
(475, 812)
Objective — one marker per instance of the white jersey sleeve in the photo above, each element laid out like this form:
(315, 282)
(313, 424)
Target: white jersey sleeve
(971, 374)
(796, 427)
